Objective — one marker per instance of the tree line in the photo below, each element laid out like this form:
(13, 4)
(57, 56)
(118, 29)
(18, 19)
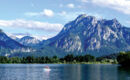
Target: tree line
(122, 58)
(70, 58)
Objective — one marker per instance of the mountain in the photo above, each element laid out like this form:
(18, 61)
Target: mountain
(12, 36)
(8, 45)
(29, 41)
(7, 42)
(86, 34)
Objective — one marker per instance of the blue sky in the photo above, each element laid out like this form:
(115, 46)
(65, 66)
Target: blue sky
(45, 18)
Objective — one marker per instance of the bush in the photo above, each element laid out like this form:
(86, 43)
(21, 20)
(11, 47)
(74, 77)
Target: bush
(124, 58)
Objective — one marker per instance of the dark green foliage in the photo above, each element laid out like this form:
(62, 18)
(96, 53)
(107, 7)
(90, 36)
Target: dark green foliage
(30, 59)
(88, 58)
(124, 58)
(3, 59)
(100, 58)
(85, 58)
(69, 58)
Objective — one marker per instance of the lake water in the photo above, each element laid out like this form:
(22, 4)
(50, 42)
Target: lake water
(63, 72)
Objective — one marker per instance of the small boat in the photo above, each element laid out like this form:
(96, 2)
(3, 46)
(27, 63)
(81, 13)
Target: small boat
(47, 69)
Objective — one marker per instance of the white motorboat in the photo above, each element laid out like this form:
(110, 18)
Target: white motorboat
(47, 69)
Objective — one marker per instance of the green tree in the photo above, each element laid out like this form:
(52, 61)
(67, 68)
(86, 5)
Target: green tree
(124, 58)
(69, 58)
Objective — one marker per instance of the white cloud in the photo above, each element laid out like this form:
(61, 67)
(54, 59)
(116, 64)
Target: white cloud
(119, 5)
(32, 25)
(70, 5)
(45, 12)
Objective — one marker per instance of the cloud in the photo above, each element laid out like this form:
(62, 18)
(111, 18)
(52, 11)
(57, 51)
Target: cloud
(32, 25)
(70, 5)
(119, 5)
(45, 12)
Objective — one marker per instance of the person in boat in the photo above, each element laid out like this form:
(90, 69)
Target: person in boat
(47, 67)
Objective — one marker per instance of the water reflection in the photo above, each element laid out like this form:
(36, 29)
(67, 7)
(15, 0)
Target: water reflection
(124, 73)
(100, 72)
(74, 71)
(63, 72)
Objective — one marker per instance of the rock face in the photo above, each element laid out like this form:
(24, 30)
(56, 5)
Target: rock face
(86, 34)
(29, 41)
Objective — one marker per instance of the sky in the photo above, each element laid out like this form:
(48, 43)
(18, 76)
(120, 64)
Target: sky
(45, 18)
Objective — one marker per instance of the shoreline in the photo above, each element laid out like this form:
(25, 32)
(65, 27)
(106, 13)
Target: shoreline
(64, 63)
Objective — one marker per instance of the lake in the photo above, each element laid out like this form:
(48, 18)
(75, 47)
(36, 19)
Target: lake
(63, 72)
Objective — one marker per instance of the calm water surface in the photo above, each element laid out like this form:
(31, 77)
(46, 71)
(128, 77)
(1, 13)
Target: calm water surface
(63, 72)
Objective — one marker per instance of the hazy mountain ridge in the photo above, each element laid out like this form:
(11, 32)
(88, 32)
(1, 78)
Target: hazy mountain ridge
(29, 41)
(9, 46)
(8, 42)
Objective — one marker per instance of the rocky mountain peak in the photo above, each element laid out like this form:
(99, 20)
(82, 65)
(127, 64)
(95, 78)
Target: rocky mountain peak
(85, 18)
(81, 16)
(86, 34)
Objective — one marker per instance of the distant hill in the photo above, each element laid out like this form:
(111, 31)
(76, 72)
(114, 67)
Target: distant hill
(8, 45)
(28, 41)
